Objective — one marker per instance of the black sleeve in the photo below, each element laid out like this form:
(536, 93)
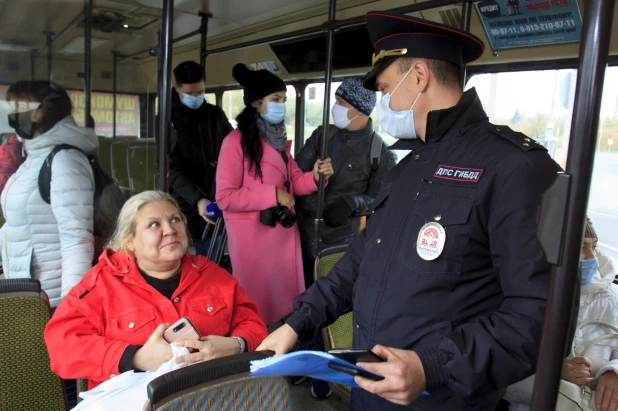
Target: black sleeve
(126, 361)
(331, 296)
(226, 127)
(308, 154)
(361, 204)
(180, 180)
(497, 350)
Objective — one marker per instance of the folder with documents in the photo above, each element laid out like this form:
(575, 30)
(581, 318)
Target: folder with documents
(314, 364)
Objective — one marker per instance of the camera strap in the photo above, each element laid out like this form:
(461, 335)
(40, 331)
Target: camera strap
(287, 171)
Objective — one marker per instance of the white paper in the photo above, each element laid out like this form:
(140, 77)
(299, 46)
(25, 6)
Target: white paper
(126, 391)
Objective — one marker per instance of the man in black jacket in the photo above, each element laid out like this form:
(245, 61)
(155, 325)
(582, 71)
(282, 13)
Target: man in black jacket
(200, 129)
(357, 178)
(448, 283)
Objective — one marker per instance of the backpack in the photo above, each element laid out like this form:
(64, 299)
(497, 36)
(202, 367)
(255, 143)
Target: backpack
(108, 197)
(375, 152)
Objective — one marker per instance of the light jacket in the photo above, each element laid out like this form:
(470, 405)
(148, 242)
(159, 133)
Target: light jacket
(598, 302)
(266, 260)
(90, 330)
(51, 242)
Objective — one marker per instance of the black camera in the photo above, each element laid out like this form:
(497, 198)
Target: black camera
(279, 214)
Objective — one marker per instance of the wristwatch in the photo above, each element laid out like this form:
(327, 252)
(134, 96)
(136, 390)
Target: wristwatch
(241, 342)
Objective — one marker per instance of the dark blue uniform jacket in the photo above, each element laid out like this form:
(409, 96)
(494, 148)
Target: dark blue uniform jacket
(474, 315)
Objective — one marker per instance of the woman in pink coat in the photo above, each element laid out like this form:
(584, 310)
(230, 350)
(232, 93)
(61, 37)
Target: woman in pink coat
(257, 179)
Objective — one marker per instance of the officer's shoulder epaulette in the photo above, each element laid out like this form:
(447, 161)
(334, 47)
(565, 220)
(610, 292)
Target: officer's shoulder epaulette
(519, 139)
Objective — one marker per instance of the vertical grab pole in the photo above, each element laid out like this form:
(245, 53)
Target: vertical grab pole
(50, 38)
(204, 37)
(165, 82)
(115, 55)
(466, 15)
(299, 134)
(87, 62)
(330, 43)
(593, 53)
(32, 64)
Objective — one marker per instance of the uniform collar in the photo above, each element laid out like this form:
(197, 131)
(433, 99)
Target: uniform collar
(468, 110)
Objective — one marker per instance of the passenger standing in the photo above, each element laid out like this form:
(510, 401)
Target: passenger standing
(200, 129)
(11, 156)
(361, 161)
(449, 272)
(50, 242)
(257, 179)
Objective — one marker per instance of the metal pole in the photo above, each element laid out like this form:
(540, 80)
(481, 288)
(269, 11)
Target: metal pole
(88, 62)
(299, 135)
(114, 91)
(181, 38)
(466, 15)
(593, 52)
(204, 37)
(32, 64)
(330, 43)
(49, 35)
(165, 92)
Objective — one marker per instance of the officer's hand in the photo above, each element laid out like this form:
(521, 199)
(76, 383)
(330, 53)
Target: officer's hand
(404, 375)
(607, 392)
(281, 341)
(338, 213)
(201, 210)
(577, 370)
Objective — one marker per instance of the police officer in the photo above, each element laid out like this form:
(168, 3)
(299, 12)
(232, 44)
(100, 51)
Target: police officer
(448, 283)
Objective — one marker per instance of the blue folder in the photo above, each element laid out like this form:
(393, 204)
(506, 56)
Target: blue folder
(312, 364)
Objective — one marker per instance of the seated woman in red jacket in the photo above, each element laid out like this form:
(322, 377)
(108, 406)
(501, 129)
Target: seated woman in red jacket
(113, 320)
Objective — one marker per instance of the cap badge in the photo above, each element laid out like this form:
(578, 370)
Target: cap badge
(387, 53)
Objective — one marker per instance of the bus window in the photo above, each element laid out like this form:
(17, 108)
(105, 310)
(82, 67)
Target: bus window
(211, 98)
(314, 102)
(232, 105)
(540, 105)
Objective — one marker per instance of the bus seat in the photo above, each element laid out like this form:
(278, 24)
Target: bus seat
(210, 384)
(26, 380)
(338, 334)
(105, 154)
(141, 165)
(120, 171)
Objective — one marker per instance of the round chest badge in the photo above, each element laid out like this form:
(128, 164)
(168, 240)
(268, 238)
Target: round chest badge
(430, 242)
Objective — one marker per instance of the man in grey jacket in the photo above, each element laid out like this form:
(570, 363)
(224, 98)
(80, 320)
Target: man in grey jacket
(358, 176)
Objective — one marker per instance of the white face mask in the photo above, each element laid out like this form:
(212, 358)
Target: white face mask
(399, 124)
(340, 116)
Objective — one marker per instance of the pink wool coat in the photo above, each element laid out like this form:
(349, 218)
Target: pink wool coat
(267, 262)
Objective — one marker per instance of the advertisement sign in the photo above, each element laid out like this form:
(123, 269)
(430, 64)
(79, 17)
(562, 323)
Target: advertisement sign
(526, 23)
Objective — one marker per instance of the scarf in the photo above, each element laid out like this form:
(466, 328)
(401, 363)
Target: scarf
(275, 136)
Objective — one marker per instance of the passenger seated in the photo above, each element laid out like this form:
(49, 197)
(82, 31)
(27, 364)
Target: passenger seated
(598, 302)
(113, 320)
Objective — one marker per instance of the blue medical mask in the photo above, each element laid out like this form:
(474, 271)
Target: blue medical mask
(589, 269)
(275, 113)
(398, 124)
(193, 102)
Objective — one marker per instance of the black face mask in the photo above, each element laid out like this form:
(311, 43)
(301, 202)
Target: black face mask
(23, 124)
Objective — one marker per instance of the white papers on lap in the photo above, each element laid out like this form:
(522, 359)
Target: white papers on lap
(127, 391)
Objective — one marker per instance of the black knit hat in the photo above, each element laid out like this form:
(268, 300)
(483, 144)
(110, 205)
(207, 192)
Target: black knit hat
(589, 231)
(256, 84)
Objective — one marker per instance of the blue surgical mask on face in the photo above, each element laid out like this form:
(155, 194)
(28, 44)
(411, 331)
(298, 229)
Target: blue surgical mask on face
(275, 113)
(589, 269)
(193, 102)
(398, 124)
